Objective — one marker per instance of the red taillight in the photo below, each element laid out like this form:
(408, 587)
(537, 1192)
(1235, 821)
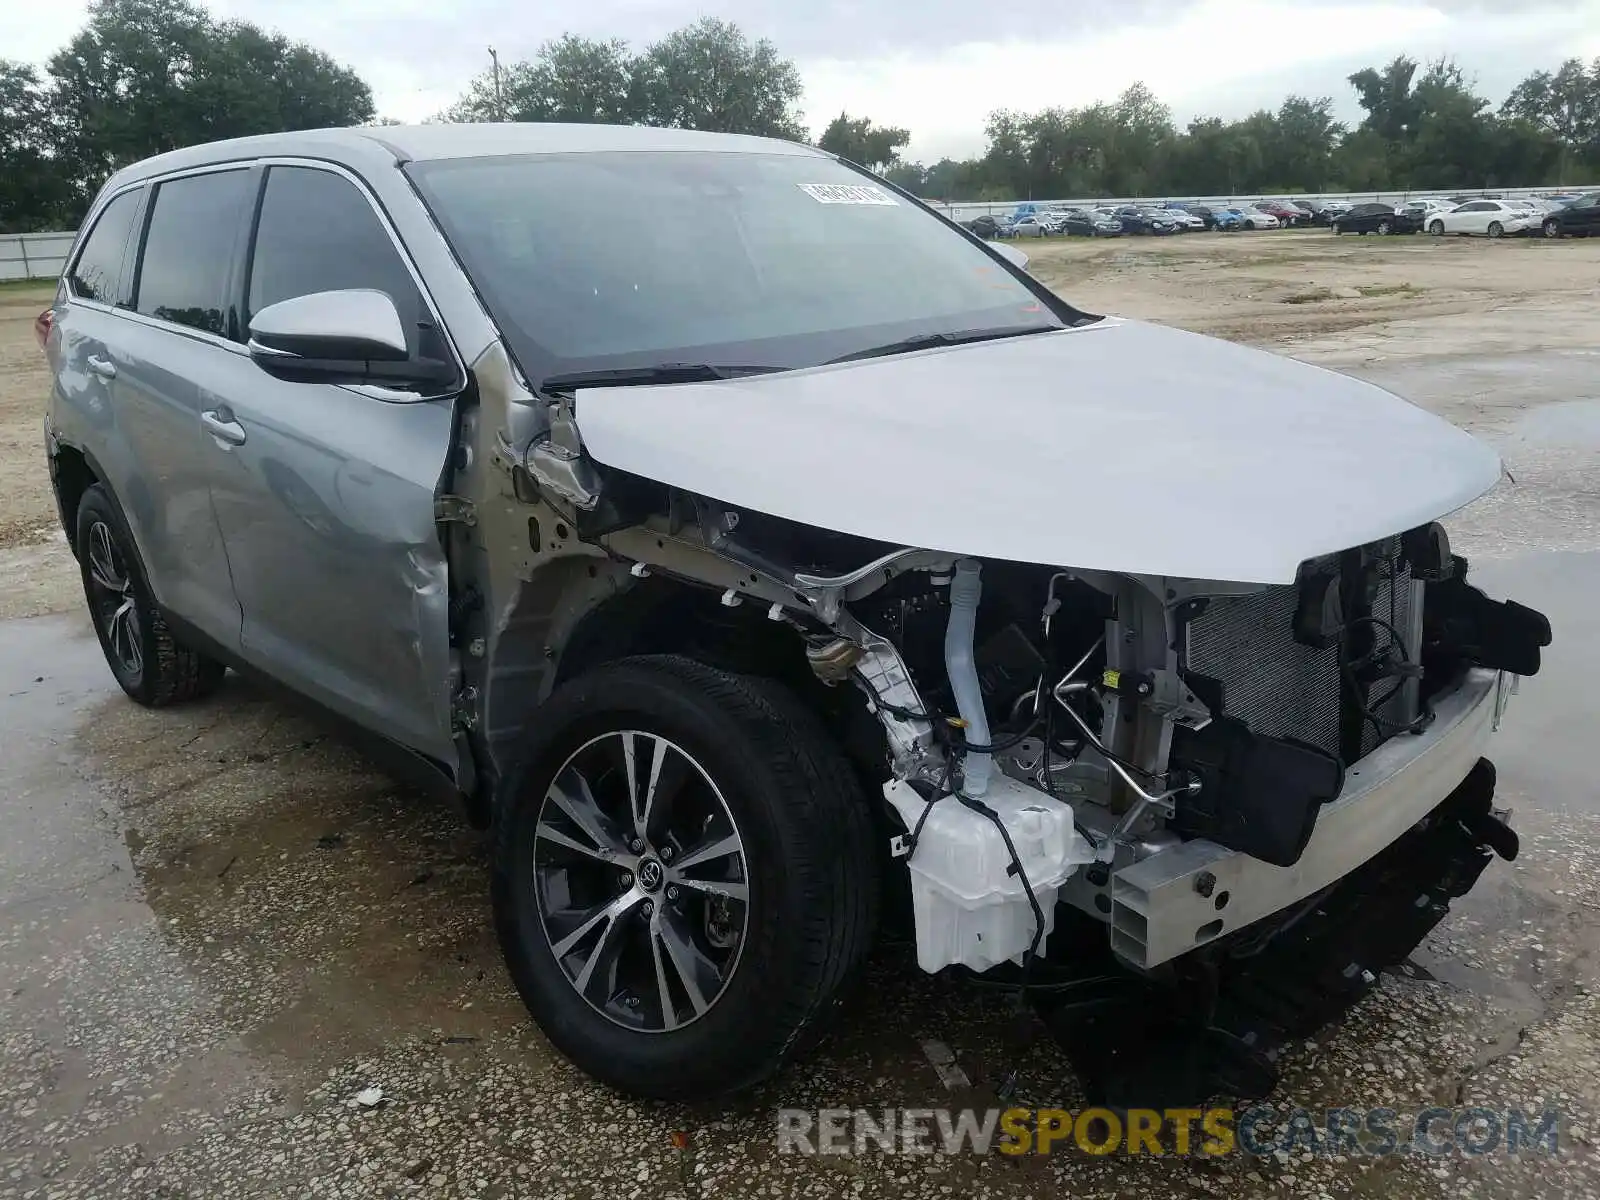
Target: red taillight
(42, 324)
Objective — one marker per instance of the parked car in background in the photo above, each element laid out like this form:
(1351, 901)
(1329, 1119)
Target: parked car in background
(1253, 217)
(1375, 218)
(1288, 214)
(1082, 222)
(1206, 212)
(1033, 225)
(1315, 214)
(1489, 218)
(1228, 220)
(1424, 208)
(1152, 221)
(1580, 218)
(1186, 218)
(984, 225)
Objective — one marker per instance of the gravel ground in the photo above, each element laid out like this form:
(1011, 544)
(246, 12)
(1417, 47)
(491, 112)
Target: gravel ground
(219, 925)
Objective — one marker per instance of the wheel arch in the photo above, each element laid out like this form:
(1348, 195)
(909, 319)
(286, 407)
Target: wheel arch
(573, 617)
(73, 472)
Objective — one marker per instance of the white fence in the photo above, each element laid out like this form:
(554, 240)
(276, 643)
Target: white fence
(33, 255)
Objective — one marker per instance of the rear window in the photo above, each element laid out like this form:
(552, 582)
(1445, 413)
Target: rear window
(98, 274)
(188, 249)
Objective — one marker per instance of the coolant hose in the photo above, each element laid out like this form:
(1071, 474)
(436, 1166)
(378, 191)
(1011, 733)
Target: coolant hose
(960, 663)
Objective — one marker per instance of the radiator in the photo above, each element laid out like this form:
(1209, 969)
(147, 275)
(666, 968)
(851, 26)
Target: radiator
(1281, 688)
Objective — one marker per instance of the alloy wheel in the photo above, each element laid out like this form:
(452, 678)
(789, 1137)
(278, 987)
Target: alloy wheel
(115, 608)
(640, 880)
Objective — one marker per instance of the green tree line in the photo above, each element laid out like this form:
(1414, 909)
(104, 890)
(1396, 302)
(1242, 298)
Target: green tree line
(1425, 127)
(144, 76)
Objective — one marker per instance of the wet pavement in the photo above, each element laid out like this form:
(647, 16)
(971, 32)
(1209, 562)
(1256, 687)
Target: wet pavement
(219, 925)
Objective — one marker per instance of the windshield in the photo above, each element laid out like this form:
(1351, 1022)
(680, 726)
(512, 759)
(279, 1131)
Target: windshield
(613, 260)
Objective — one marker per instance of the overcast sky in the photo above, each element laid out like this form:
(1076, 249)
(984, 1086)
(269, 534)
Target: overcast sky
(935, 67)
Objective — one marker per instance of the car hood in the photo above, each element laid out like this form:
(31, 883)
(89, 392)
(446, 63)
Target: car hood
(1116, 446)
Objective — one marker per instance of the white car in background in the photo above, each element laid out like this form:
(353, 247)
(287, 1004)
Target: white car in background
(1426, 209)
(1255, 218)
(1490, 218)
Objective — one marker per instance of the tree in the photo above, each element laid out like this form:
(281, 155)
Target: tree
(1386, 95)
(145, 76)
(569, 79)
(710, 76)
(1565, 105)
(35, 192)
(856, 139)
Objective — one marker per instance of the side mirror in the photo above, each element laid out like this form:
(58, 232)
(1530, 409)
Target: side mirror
(350, 336)
(1011, 254)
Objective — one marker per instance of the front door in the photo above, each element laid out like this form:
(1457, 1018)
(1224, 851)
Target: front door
(325, 494)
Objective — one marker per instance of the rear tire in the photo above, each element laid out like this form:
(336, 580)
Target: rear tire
(757, 975)
(149, 663)
(1496, 229)
(1552, 228)
(1385, 228)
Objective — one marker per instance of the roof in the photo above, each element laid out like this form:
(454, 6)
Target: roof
(420, 143)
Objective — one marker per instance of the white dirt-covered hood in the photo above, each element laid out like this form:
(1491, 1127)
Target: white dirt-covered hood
(1119, 446)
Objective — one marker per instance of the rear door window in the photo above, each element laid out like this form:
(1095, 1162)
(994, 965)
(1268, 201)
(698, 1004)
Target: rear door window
(188, 249)
(318, 233)
(98, 273)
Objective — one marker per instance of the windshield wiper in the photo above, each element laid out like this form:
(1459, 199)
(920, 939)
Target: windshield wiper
(671, 372)
(955, 337)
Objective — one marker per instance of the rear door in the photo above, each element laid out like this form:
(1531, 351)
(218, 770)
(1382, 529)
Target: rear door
(325, 494)
(165, 340)
(96, 286)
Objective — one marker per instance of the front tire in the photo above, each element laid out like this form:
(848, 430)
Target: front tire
(683, 876)
(1436, 228)
(1552, 228)
(1385, 228)
(1496, 229)
(151, 665)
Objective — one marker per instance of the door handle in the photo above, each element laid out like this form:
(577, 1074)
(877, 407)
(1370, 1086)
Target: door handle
(223, 427)
(102, 367)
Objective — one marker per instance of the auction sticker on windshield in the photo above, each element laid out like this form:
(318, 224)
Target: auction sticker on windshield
(847, 193)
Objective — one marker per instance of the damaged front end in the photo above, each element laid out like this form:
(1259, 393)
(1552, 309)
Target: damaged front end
(1263, 793)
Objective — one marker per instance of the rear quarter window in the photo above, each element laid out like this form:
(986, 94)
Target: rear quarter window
(98, 273)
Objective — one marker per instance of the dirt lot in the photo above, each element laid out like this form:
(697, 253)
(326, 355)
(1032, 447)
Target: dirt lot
(219, 924)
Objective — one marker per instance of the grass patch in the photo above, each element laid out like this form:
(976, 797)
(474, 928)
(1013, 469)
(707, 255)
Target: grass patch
(1313, 296)
(1389, 289)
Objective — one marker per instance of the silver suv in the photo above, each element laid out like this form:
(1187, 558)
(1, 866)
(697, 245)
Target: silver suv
(784, 569)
